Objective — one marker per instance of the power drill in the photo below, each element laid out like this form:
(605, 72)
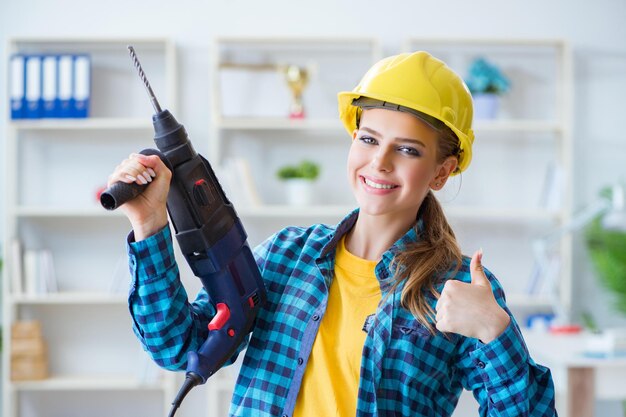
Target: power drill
(210, 236)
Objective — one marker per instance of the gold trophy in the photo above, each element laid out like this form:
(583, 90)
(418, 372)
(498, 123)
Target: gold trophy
(297, 78)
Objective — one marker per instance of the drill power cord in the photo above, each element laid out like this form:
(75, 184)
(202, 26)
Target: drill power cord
(191, 381)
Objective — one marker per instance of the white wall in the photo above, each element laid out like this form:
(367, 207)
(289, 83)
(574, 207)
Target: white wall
(596, 31)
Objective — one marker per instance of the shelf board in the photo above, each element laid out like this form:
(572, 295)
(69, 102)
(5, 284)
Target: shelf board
(285, 211)
(528, 301)
(89, 123)
(460, 212)
(278, 123)
(529, 126)
(55, 212)
(277, 211)
(474, 213)
(490, 41)
(88, 383)
(90, 40)
(76, 298)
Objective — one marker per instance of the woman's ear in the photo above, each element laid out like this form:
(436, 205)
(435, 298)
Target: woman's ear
(354, 132)
(443, 172)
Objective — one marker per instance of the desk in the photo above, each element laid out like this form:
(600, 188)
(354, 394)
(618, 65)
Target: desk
(579, 378)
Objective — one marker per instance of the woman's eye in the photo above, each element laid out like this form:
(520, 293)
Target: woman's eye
(368, 140)
(409, 151)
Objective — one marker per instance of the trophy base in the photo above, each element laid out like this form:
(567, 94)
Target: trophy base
(296, 115)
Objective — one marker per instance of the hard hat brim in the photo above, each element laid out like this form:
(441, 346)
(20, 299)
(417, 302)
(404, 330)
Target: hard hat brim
(348, 115)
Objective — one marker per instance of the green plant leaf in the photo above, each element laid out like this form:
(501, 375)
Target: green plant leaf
(306, 170)
(607, 249)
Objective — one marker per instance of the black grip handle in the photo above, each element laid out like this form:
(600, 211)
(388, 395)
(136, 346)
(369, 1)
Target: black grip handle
(121, 192)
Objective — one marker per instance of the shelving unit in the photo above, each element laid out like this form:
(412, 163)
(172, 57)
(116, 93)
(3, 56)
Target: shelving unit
(54, 177)
(496, 204)
(533, 130)
(55, 168)
(250, 119)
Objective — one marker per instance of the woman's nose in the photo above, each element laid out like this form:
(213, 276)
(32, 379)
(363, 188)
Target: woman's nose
(382, 161)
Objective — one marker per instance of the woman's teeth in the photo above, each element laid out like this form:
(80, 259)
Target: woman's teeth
(379, 186)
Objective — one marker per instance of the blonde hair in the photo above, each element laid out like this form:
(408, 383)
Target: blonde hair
(435, 252)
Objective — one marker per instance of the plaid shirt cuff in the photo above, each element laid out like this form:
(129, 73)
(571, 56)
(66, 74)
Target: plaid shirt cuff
(504, 358)
(155, 253)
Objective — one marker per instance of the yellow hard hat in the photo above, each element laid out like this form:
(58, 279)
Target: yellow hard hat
(420, 84)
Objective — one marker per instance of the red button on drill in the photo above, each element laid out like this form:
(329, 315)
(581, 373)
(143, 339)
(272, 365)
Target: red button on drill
(201, 192)
(220, 319)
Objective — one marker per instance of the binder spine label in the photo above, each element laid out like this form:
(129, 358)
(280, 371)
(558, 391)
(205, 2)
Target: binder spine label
(33, 87)
(18, 100)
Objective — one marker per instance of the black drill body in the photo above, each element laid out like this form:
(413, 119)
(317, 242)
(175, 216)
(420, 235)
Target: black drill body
(212, 239)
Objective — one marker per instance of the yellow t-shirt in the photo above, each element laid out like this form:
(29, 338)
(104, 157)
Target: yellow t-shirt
(331, 379)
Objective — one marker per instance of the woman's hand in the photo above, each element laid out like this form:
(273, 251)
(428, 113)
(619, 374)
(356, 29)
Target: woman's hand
(471, 309)
(147, 212)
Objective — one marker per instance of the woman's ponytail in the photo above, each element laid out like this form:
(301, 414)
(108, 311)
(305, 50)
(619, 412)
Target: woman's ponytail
(434, 253)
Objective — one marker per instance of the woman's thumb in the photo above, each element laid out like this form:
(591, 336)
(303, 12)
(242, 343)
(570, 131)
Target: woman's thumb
(476, 269)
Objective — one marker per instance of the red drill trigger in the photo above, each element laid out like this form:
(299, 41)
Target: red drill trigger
(220, 319)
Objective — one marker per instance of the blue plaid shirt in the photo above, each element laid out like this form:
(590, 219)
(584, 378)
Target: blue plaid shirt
(405, 370)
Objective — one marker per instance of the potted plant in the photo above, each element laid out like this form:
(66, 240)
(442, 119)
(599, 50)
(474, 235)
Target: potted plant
(486, 83)
(606, 249)
(299, 181)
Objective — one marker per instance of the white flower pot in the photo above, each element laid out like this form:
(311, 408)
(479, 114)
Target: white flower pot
(299, 191)
(486, 106)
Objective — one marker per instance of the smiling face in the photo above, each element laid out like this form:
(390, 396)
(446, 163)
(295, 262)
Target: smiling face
(393, 162)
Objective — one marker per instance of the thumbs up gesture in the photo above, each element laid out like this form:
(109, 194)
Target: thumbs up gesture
(471, 309)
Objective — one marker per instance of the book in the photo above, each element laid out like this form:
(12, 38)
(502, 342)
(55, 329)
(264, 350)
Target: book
(553, 192)
(66, 63)
(544, 276)
(235, 177)
(39, 272)
(82, 86)
(17, 286)
(31, 272)
(50, 86)
(48, 275)
(17, 86)
(33, 87)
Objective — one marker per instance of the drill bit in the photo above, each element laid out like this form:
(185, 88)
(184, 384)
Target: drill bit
(153, 100)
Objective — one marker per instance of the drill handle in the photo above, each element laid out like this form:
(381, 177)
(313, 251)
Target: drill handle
(121, 192)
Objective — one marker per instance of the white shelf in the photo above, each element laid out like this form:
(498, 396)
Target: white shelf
(241, 123)
(278, 123)
(528, 301)
(75, 298)
(490, 41)
(48, 212)
(326, 43)
(523, 126)
(93, 123)
(41, 218)
(461, 212)
(282, 211)
(501, 214)
(516, 150)
(95, 383)
(269, 211)
(106, 41)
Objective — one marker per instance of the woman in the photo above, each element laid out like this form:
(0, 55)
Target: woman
(379, 315)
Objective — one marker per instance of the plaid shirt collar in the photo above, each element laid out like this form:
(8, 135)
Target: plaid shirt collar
(327, 254)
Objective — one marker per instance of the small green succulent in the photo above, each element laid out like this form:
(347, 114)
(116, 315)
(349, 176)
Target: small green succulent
(306, 170)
